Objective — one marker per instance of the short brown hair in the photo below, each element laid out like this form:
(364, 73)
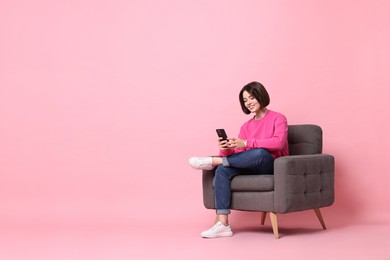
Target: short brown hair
(258, 91)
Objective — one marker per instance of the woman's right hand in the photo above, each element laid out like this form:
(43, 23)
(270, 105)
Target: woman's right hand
(223, 144)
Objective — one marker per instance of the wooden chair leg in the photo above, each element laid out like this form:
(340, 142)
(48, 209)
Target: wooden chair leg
(263, 215)
(319, 216)
(274, 222)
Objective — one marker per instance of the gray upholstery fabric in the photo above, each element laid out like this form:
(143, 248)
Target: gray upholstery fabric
(303, 180)
(304, 139)
(253, 183)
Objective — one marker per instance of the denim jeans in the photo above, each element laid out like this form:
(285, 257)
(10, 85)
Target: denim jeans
(250, 162)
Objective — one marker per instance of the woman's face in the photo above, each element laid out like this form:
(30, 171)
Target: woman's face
(251, 102)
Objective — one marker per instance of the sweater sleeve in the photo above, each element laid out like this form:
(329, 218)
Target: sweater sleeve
(275, 143)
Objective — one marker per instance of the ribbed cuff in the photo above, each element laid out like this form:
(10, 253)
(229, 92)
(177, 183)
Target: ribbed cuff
(225, 161)
(223, 211)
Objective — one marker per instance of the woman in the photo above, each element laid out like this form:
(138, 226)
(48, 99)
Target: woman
(261, 140)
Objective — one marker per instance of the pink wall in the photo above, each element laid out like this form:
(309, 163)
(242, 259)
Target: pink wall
(101, 104)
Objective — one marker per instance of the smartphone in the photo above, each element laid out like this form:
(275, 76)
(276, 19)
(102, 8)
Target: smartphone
(222, 133)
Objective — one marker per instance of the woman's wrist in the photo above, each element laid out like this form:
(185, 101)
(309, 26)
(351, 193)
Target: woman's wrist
(244, 143)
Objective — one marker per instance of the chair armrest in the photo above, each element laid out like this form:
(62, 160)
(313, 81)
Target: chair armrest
(208, 189)
(303, 182)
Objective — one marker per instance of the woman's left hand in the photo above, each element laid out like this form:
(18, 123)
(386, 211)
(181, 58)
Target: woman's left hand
(236, 143)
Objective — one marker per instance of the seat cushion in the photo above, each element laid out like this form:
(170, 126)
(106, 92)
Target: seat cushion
(253, 183)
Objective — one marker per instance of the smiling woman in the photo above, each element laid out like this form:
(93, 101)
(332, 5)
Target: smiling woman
(261, 140)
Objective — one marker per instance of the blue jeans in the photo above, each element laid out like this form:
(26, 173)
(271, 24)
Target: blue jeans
(250, 162)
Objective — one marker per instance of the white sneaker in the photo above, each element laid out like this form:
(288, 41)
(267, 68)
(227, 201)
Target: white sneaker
(218, 230)
(202, 163)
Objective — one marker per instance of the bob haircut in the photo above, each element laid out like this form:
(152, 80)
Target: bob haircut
(258, 91)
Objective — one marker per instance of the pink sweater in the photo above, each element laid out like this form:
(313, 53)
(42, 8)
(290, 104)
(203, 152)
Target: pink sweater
(269, 132)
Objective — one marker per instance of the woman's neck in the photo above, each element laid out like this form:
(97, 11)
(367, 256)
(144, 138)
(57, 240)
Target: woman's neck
(261, 113)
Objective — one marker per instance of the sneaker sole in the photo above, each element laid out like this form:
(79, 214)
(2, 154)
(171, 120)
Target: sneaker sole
(224, 234)
(204, 168)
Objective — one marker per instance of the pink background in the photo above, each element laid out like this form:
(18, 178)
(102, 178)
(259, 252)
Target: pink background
(102, 103)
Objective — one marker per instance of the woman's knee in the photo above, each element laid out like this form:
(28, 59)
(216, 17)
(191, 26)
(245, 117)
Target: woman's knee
(220, 170)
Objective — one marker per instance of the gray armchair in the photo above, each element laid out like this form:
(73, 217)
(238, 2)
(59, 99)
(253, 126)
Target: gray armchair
(301, 181)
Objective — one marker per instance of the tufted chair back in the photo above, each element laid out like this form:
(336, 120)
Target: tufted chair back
(304, 139)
